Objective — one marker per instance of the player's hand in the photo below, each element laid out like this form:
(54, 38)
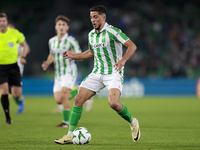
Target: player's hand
(65, 54)
(23, 60)
(45, 65)
(68, 55)
(118, 65)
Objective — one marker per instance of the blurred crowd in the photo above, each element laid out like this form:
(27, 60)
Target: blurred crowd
(167, 36)
(166, 33)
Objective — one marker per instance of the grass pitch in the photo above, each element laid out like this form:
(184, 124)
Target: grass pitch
(166, 123)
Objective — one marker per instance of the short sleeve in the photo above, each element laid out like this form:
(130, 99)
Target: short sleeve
(20, 37)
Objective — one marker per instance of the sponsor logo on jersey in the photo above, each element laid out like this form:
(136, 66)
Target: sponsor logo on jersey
(98, 45)
(11, 44)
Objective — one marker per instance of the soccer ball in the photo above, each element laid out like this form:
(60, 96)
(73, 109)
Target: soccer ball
(81, 136)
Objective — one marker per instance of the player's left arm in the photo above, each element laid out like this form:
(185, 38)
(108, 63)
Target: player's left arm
(131, 48)
(24, 52)
(78, 56)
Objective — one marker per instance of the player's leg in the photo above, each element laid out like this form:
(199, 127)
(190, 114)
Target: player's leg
(16, 92)
(57, 96)
(62, 97)
(113, 99)
(73, 93)
(85, 92)
(5, 101)
(16, 89)
(21, 99)
(58, 99)
(114, 84)
(65, 94)
(58, 109)
(88, 104)
(122, 110)
(82, 96)
(115, 104)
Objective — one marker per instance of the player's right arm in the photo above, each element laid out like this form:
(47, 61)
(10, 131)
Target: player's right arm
(46, 63)
(78, 56)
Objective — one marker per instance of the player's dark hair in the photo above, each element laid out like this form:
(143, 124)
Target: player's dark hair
(3, 15)
(63, 18)
(99, 8)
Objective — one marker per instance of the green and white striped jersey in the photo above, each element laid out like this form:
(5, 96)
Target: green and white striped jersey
(106, 46)
(63, 66)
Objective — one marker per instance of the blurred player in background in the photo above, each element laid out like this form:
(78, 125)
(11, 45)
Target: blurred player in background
(73, 93)
(20, 49)
(9, 70)
(65, 69)
(105, 45)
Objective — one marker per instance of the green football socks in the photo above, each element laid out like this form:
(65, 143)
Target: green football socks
(65, 114)
(124, 113)
(16, 100)
(73, 93)
(75, 117)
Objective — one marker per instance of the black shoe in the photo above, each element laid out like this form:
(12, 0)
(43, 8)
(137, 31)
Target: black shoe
(9, 122)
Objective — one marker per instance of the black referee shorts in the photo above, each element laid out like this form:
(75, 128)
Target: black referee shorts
(11, 74)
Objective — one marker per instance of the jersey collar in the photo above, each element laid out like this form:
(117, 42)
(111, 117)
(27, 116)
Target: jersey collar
(104, 27)
(8, 29)
(65, 36)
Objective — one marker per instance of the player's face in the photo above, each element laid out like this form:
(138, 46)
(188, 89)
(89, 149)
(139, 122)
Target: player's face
(97, 20)
(3, 23)
(61, 27)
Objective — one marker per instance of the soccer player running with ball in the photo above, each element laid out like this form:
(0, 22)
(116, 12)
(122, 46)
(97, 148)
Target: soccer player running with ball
(65, 69)
(105, 45)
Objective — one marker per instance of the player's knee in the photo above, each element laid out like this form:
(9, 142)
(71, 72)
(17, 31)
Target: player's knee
(113, 105)
(4, 92)
(16, 92)
(78, 101)
(62, 97)
(16, 95)
(58, 101)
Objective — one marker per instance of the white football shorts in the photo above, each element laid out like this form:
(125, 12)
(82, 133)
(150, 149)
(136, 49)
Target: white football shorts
(67, 81)
(21, 67)
(96, 82)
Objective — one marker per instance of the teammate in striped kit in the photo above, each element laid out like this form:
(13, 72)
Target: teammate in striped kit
(105, 45)
(65, 69)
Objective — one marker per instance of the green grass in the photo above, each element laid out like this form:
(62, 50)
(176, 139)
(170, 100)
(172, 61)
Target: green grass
(166, 123)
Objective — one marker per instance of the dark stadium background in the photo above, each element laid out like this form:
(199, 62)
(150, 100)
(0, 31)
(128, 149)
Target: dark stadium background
(167, 34)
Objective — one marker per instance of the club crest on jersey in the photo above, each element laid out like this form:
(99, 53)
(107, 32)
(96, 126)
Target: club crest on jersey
(11, 44)
(98, 45)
